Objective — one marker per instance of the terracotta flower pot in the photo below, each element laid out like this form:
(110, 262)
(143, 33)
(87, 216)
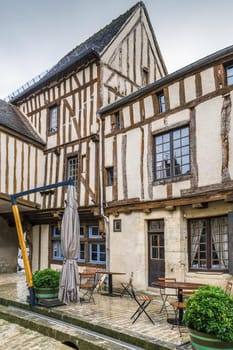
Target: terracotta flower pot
(203, 341)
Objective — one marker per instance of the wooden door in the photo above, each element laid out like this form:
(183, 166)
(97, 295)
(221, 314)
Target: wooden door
(156, 250)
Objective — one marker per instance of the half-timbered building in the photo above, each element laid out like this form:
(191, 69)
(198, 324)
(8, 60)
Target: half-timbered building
(150, 154)
(169, 198)
(61, 106)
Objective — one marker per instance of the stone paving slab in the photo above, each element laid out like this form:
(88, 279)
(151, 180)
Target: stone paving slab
(110, 313)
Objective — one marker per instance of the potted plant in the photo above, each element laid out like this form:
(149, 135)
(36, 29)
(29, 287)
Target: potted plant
(209, 316)
(46, 283)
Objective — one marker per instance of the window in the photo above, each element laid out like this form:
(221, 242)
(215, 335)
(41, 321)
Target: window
(72, 169)
(208, 242)
(97, 253)
(117, 121)
(82, 252)
(229, 74)
(116, 225)
(172, 153)
(53, 119)
(56, 243)
(93, 231)
(161, 102)
(109, 176)
(92, 245)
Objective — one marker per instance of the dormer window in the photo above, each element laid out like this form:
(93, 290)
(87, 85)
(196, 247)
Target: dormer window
(53, 118)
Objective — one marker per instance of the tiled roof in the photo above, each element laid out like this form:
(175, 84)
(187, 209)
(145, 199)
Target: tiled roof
(13, 119)
(90, 48)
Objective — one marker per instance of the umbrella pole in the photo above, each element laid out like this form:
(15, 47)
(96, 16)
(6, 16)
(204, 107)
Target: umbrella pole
(24, 254)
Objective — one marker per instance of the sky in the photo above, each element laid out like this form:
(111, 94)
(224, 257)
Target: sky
(35, 34)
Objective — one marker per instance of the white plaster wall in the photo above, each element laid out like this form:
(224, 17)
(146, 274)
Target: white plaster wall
(179, 186)
(119, 168)
(126, 117)
(92, 178)
(44, 246)
(174, 95)
(169, 121)
(131, 241)
(8, 248)
(133, 161)
(208, 144)
(108, 161)
(174, 244)
(190, 88)
(230, 165)
(149, 110)
(43, 123)
(136, 112)
(35, 242)
(207, 81)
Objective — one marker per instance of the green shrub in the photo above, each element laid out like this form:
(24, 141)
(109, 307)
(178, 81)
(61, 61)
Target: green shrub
(210, 310)
(46, 278)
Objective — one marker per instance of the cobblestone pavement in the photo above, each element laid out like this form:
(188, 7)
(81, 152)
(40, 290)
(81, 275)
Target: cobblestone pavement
(113, 313)
(16, 337)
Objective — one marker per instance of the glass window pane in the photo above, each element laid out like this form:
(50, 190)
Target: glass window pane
(53, 119)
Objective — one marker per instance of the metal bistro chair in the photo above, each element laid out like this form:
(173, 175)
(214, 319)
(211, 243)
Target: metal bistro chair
(87, 286)
(126, 287)
(164, 294)
(179, 308)
(143, 301)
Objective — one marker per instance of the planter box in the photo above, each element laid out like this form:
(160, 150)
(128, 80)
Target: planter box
(203, 341)
(46, 293)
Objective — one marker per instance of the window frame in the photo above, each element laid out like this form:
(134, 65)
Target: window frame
(207, 252)
(52, 129)
(161, 102)
(55, 238)
(172, 169)
(229, 77)
(117, 121)
(98, 253)
(109, 171)
(72, 174)
(87, 239)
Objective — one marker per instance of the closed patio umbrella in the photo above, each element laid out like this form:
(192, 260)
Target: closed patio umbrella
(70, 234)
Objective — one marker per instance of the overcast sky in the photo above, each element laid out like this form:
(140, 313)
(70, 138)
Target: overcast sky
(35, 34)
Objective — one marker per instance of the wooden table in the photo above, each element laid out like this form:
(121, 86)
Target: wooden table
(110, 274)
(180, 286)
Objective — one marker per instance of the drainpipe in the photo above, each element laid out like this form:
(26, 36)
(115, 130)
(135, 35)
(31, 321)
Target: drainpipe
(106, 219)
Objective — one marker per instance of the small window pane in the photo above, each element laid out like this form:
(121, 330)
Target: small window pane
(229, 73)
(110, 176)
(53, 119)
(72, 169)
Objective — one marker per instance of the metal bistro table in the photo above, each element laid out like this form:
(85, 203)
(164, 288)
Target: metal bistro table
(110, 274)
(180, 286)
